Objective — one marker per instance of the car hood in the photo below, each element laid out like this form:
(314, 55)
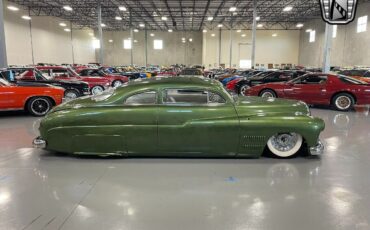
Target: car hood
(33, 84)
(258, 106)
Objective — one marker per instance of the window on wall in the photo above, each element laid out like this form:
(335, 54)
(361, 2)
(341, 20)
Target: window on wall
(96, 43)
(158, 44)
(247, 64)
(335, 28)
(127, 44)
(312, 36)
(361, 24)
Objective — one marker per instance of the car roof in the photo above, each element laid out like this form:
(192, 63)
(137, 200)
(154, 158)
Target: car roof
(187, 81)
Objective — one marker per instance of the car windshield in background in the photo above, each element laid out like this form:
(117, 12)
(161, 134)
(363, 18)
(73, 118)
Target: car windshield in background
(191, 72)
(4, 82)
(351, 80)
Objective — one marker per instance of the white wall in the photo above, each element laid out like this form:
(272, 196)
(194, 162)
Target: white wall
(174, 51)
(282, 49)
(349, 48)
(50, 42)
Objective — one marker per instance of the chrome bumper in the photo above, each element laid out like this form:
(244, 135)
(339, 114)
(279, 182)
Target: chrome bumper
(38, 142)
(318, 149)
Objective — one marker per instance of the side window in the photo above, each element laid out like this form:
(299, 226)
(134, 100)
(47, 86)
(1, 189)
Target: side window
(60, 73)
(145, 98)
(367, 74)
(189, 96)
(314, 80)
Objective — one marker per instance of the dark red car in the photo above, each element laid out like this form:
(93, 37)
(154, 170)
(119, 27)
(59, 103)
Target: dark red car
(339, 91)
(96, 84)
(114, 79)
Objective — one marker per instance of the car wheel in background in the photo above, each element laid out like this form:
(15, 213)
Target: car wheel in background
(117, 83)
(70, 94)
(343, 101)
(285, 145)
(268, 93)
(97, 90)
(243, 89)
(39, 106)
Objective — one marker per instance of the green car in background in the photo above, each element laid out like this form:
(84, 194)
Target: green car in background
(180, 117)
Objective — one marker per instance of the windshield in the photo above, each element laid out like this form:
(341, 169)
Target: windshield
(4, 82)
(40, 76)
(104, 95)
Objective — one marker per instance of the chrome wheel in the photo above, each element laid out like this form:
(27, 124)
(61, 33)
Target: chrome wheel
(39, 106)
(97, 90)
(285, 144)
(267, 94)
(343, 102)
(117, 83)
(70, 95)
(244, 89)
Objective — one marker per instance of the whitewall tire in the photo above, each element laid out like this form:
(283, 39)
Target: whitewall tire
(285, 144)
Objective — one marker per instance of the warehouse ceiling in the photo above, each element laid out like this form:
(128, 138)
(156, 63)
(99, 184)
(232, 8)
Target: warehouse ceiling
(180, 14)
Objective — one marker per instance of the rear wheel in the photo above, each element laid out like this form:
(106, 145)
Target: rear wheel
(97, 90)
(285, 145)
(267, 93)
(343, 101)
(39, 106)
(71, 94)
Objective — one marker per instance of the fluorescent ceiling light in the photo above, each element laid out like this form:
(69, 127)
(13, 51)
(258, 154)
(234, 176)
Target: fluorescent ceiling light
(213, 35)
(238, 31)
(13, 8)
(67, 30)
(219, 25)
(110, 40)
(164, 18)
(308, 30)
(25, 17)
(136, 30)
(274, 35)
(204, 31)
(260, 25)
(288, 8)
(118, 18)
(67, 8)
(135, 41)
(243, 35)
(62, 24)
(122, 8)
(91, 34)
(183, 41)
(170, 30)
(299, 25)
(151, 35)
(210, 18)
(103, 25)
(258, 18)
(190, 39)
(142, 25)
(232, 9)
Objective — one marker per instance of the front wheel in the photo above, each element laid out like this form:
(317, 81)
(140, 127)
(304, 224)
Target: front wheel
(285, 145)
(39, 106)
(343, 102)
(117, 83)
(97, 90)
(71, 94)
(243, 89)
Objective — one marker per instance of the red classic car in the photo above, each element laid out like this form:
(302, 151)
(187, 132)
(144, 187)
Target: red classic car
(36, 99)
(339, 91)
(96, 84)
(115, 80)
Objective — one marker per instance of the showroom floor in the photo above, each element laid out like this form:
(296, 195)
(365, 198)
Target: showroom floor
(41, 190)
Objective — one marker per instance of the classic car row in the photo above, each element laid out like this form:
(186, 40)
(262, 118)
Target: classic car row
(180, 116)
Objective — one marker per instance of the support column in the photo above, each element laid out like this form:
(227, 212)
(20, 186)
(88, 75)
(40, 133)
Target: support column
(254, 27)
(132, 40)
(231, 48)
(31, 40)
(219, 48)
(100, 33)
(3, 57)
(73, 52)
(146, 46)
(327, 48)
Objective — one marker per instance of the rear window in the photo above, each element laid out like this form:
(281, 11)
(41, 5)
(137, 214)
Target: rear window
(350, 80)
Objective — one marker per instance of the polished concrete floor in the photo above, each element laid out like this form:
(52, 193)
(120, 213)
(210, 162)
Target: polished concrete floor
(41, 190)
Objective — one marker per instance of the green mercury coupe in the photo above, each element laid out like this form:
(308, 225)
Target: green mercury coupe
(180, 117)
